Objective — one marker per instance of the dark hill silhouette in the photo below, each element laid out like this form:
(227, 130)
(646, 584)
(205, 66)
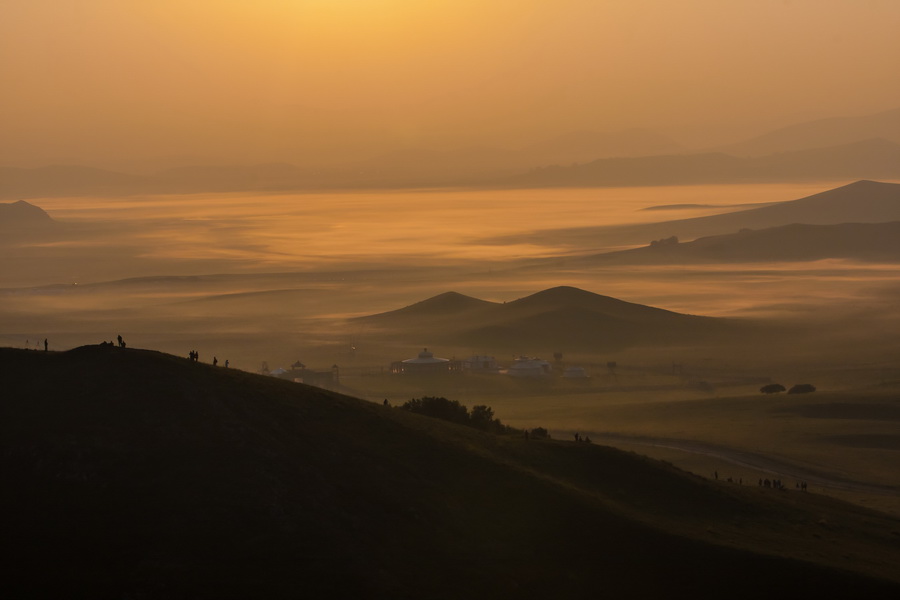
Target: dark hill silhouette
(571, 318)
(23, 214)
(859, 202)
(873, 242)
(560, 317)
(129, 473)
(23, 221)
(568, 297)
(446, 305)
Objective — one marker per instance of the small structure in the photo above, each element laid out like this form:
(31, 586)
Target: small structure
(426, 363)
(575, 373)
(525, 366)
(481, 364)
(299, 373)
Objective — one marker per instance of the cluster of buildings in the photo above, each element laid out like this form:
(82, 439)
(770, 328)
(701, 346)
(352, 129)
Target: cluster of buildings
(426, 363)
(329, 378)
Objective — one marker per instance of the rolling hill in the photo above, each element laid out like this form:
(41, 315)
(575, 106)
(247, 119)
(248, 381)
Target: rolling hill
(21, 220)
(558, 318)
(859, 202)
(14, 215)
(871, 242)
(130, 473)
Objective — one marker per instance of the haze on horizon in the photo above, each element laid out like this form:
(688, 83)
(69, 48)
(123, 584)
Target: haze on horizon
(145, 85)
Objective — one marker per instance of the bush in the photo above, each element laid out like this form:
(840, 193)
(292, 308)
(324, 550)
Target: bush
(539, 433)
(482, 416)
(772, 388)
(802, 388)
(440, 408)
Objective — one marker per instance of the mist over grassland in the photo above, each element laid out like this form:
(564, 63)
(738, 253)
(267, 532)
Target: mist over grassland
(278, 278)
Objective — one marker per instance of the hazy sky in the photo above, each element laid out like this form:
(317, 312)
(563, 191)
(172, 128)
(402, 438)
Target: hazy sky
(113, 82)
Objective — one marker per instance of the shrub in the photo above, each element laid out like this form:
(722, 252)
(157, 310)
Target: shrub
(772, 388)
(440, 408)
(539, 433)
(482, 416)
(802, 388)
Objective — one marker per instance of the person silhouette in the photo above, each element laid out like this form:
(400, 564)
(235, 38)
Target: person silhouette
(215, 361)
(45, 344)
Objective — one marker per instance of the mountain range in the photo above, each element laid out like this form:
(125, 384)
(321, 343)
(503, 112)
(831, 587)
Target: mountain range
(820, 133)
(874, 158)
(866, 147)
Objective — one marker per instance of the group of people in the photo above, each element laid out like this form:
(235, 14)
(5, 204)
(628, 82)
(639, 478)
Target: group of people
(120, 343)
(37, 345)
(195, 357)
(767, 483)
(778, 485)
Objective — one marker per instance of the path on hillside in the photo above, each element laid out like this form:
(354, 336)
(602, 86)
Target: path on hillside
(768, 464)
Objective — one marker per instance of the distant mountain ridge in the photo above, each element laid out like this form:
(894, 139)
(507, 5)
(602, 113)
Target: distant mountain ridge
(627, 158)
(821, 133)
(859, 202)
(872, 242)
(875, 158)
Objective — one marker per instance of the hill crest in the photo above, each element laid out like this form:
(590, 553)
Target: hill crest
(137, 471)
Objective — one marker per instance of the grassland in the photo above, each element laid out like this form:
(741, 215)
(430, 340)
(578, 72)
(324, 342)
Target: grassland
(130, 473)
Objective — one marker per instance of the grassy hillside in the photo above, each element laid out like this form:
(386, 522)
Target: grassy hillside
(130, 473)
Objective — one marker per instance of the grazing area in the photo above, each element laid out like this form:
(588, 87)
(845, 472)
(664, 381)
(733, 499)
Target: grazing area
(450, 299)
(131, 473)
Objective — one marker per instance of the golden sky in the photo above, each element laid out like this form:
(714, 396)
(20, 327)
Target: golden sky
(105, 82)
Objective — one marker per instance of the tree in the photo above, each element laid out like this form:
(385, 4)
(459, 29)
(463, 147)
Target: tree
(669, 241)
(539, 433)
(482, 417)
(772, 388)
(439, 407)
(802, 388)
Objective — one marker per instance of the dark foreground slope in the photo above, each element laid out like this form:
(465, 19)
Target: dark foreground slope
(133, 474)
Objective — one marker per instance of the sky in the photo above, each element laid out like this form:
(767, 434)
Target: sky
(149, 83)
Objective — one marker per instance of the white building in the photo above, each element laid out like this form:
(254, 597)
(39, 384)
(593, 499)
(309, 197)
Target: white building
(529, 367)
(575, 373)
(425, 363)
(481, 364)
